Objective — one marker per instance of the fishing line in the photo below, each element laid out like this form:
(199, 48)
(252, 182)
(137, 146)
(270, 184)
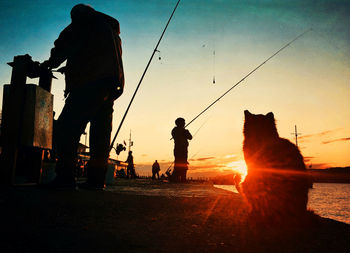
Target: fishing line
(251, 72)
(214, 66)
(200, 127)
(138, 86)
(246, 76)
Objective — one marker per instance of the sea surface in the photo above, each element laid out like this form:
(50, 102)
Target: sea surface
(326, 199)
(331, 201)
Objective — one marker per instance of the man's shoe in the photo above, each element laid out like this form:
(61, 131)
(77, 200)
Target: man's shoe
(91, 186)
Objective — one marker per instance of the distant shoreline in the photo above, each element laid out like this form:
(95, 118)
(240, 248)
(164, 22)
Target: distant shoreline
(331, 175)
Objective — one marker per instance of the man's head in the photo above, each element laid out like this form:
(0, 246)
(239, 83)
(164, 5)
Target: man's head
(180, 122)
(80, 12)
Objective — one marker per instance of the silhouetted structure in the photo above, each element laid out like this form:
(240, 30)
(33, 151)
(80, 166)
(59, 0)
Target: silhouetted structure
(181, 137)
(26, 126)
(277, 183)
(94, 79)
(155, 170)
(296, 134)
(130, 171)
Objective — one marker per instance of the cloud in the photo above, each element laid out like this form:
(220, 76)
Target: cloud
(206, 166)
(227, 170)
(203, 158)
(207, 174)
(230, 156)
(324, 133)
(336, 140)
(308, 158)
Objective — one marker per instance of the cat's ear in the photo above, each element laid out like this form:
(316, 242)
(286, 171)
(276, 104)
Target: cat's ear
(247, 113)
(270, 116)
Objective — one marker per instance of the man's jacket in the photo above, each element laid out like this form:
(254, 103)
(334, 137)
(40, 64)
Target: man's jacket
(181, 137)
(92, 47)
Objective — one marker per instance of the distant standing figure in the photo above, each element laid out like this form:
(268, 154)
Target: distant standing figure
(155, 170)
(181, 137)
(130, 170)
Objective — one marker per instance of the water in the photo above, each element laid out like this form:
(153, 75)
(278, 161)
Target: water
(331, 201)
(327, 200)
(231, 188)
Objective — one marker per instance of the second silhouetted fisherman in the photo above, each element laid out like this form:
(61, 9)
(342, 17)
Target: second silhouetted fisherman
(181, 137)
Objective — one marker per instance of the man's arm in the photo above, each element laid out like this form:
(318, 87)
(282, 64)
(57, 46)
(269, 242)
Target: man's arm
(60, 51)
(188, 135)
(173, 133)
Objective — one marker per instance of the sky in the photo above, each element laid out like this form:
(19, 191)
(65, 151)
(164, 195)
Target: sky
(307, 84)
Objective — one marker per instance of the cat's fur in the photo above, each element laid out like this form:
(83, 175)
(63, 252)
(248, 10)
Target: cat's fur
(277, 181)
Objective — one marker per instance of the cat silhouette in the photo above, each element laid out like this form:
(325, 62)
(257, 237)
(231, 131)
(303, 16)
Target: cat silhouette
(277, 182)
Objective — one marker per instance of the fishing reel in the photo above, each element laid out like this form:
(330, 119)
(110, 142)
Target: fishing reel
(120, 147)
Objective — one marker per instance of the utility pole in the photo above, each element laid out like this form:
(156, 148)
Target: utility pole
(131, 143)
(296, 134)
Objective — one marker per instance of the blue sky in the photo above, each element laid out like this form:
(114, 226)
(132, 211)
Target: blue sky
(31, 26)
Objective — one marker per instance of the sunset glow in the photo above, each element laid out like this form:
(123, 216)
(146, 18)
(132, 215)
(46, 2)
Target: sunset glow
(239, 167)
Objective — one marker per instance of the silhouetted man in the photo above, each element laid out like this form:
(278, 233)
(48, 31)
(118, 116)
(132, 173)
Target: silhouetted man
(181, 137)
(130, 170)
(94, 79)
(155, 170)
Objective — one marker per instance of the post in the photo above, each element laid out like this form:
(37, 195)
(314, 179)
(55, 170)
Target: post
(296, 134)
(11, 121)
(26, 123)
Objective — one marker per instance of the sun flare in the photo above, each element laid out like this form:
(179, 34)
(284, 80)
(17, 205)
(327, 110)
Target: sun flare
(239, 167)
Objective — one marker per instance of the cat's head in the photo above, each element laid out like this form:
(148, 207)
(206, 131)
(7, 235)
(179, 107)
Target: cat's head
(259, 127)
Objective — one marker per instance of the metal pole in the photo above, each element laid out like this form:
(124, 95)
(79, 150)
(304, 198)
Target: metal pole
(138, 86)
(296, 134)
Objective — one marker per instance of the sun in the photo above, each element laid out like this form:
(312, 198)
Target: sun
(239, 167)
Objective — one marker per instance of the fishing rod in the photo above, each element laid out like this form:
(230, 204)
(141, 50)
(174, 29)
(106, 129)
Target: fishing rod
(138, 86)
(251, 72)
